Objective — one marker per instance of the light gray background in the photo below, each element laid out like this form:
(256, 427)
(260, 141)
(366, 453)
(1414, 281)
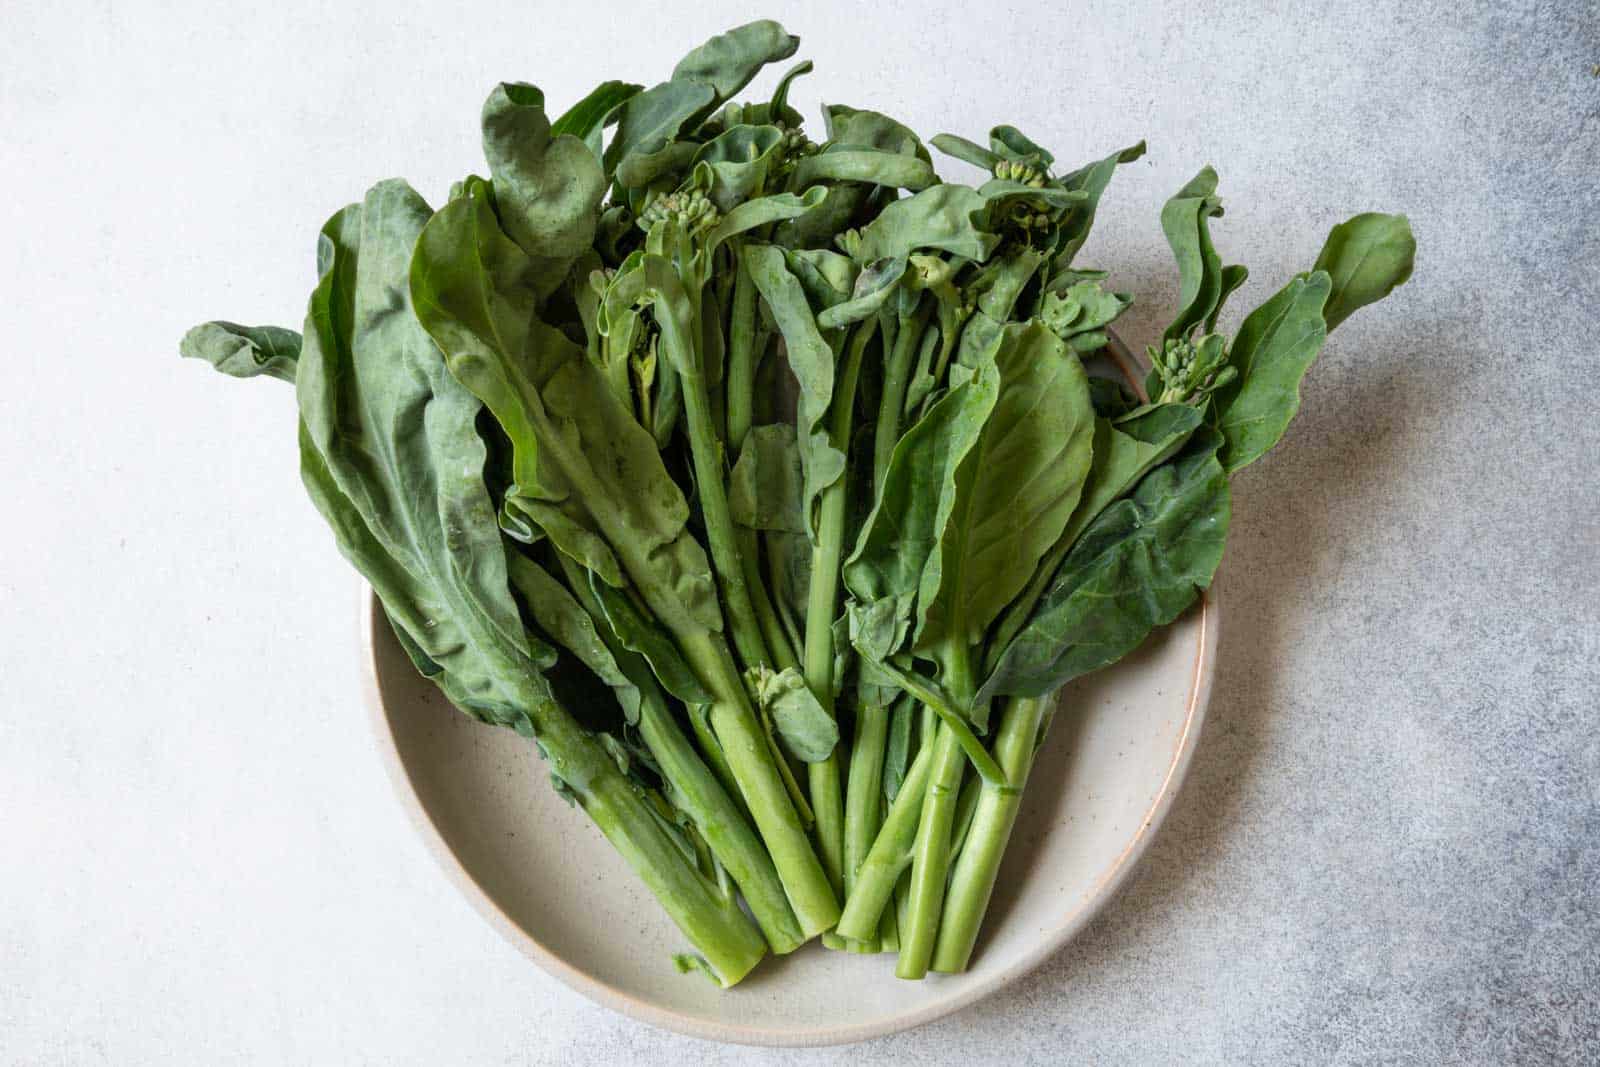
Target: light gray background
(1389, 848)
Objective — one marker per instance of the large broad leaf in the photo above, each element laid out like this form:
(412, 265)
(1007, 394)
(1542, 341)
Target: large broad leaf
(391, 456)
(1136, 567)
(1365, 258)
(1125, 450)
(1272, 351)
(244, 351)
(811, 358)
(1015, 490)
(548, 189)
(904, 530)
(587, 474)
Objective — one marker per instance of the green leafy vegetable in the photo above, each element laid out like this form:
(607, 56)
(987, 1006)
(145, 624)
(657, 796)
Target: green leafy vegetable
(766, 483)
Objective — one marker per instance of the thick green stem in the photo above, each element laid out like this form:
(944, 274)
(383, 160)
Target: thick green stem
(722, 825)
(706, 449)
(1016, 742)
(889, 930)
(902, 904)
(930, 865)
(889, 856)
(744, 743)
(743, 356)
(931, 856)
(864, 799)
(711, 482)
(772, 630)
(715, 812)
(827, 795)
(714, 924)
(966, 807)
(864, 792)
(896, 376)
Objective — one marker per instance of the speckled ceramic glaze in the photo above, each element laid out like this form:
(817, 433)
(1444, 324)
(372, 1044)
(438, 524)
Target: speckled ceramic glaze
(546, 878)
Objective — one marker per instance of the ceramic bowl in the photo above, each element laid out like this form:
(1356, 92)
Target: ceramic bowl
(547, 880)
(534, 867)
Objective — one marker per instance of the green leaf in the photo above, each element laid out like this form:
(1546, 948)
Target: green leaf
(941, 217)
(244, 351)
(547, 189)
(1136, 567)
(587, 473)
(559, 615)
(1366, 258)
(738, 161)
(778, 110)
(1230, 278)
(1272, 351)
(811, 358)
(827, 277)
(855, 127)
(1015, 490)
(903, 533)
(760, 212)
(871, 166)
(1186, 221)
(638, 633)
(966, 151)
(1125, 450)
(766, 488)
(1092, 181)
(1080, 313)
(1011, 143)
(391, 456)
(728, 61)
(585, 119)
(875, 284)
(649, 122)
(808, 731)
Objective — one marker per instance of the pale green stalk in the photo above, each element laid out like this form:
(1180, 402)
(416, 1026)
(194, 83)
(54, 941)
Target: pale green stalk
(972, 883)
(822, 606)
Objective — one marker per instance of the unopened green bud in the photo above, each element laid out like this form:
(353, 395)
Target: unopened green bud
(1015, 170)
(691, 209)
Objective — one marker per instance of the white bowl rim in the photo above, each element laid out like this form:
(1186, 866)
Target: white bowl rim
(610, 996)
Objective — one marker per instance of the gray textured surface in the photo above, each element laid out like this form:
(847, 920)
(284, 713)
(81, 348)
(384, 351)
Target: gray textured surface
(1389, 850)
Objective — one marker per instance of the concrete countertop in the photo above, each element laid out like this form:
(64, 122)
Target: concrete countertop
(1389, 847)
